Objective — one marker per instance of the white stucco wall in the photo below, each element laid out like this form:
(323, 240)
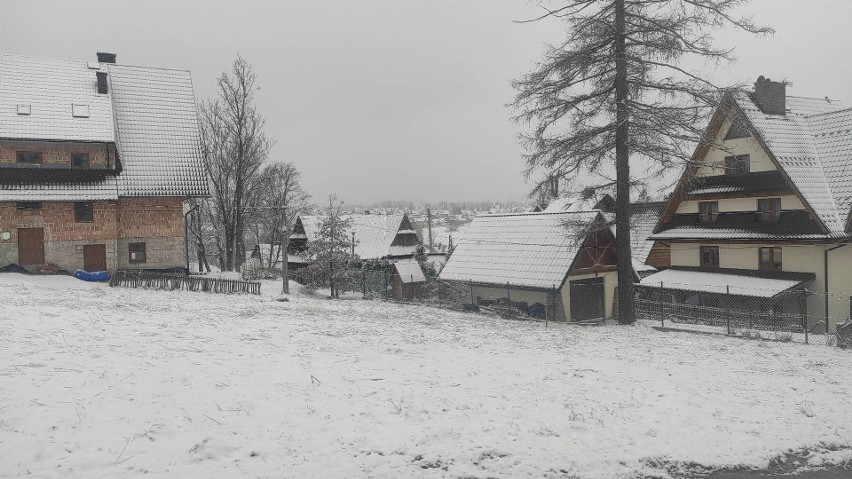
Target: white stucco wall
(795, 258)
(714, 161)
(736, 205)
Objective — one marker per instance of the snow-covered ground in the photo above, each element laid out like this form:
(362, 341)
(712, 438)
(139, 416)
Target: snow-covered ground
(101, 382)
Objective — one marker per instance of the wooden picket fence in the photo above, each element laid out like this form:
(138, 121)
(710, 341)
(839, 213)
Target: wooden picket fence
(134, 278)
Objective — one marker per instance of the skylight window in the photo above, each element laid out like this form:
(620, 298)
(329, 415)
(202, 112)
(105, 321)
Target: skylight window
(24, 109)
(79, 111)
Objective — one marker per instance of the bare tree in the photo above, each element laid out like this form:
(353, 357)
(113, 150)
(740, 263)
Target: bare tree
(235, 147)
(615, 90)
(280, 199)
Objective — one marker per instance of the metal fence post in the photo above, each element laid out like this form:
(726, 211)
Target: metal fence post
(385, 276)
(411, 289)
(553, 293)
(804, 308)
(471, 291)
(364, 284)
(660, 299)
(440, 303)
(728, 307)
(547, 299)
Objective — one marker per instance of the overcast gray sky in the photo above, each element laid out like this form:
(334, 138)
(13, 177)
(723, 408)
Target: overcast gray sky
(395, 99)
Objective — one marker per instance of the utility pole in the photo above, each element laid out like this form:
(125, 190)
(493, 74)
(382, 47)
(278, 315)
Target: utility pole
(429, 220)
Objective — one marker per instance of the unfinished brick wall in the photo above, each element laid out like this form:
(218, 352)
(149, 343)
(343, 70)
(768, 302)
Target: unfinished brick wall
(57, 219)
(158, 222)
(150, 217)
(59, 153)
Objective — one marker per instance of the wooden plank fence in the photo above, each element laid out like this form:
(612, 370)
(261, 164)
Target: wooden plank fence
(134, 278)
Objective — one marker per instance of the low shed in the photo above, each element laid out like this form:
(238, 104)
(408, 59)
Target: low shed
(407, 280)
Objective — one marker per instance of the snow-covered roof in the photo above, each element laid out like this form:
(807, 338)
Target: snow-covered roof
(374, 234)
(643, 219)
(699, 232)
(158, 137)
(409, 272)
(527, 249)
(790, 140)
(148, 113)
(766, 285)
(48, 88)
(577, 202)
(106, 189)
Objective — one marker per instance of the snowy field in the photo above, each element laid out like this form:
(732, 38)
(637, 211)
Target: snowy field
(101, 382)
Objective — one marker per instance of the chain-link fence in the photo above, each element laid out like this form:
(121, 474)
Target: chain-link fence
(794, 315)
(509, 300)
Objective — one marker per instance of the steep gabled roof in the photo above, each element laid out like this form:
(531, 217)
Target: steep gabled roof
(527, 249)
(809, 146)
(158, 137)
(374, 234)
(790, 141)
(148, 113)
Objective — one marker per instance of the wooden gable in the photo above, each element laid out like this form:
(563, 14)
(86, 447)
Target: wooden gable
(597, 254)
(405, 234)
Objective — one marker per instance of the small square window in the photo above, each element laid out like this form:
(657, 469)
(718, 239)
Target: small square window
(770, 258)
(29, 157)
(29, 205)
(138, 253)
(83, 212)
(709, 256)
(24, 109)
(708, 211)
(737, 165)
(80, 111)
(80, 160)
(769, 210)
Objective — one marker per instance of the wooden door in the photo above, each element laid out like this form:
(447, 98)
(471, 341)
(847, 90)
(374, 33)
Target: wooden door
(30, 246)
(94, 257)
(587, 299)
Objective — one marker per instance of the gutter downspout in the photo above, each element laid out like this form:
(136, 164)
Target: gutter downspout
(825, 282)
(186, 235)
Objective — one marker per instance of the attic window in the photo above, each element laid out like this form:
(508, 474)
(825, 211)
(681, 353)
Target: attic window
(80, 111)
(24, 109)
(736, 132)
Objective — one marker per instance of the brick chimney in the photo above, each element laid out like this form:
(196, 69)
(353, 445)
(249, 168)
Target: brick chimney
(770, 96)
(104, 57)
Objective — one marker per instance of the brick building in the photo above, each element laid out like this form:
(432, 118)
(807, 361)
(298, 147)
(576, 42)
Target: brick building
(96, 160)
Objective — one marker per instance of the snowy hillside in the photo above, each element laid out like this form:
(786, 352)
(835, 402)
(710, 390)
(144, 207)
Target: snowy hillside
(100, 382)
